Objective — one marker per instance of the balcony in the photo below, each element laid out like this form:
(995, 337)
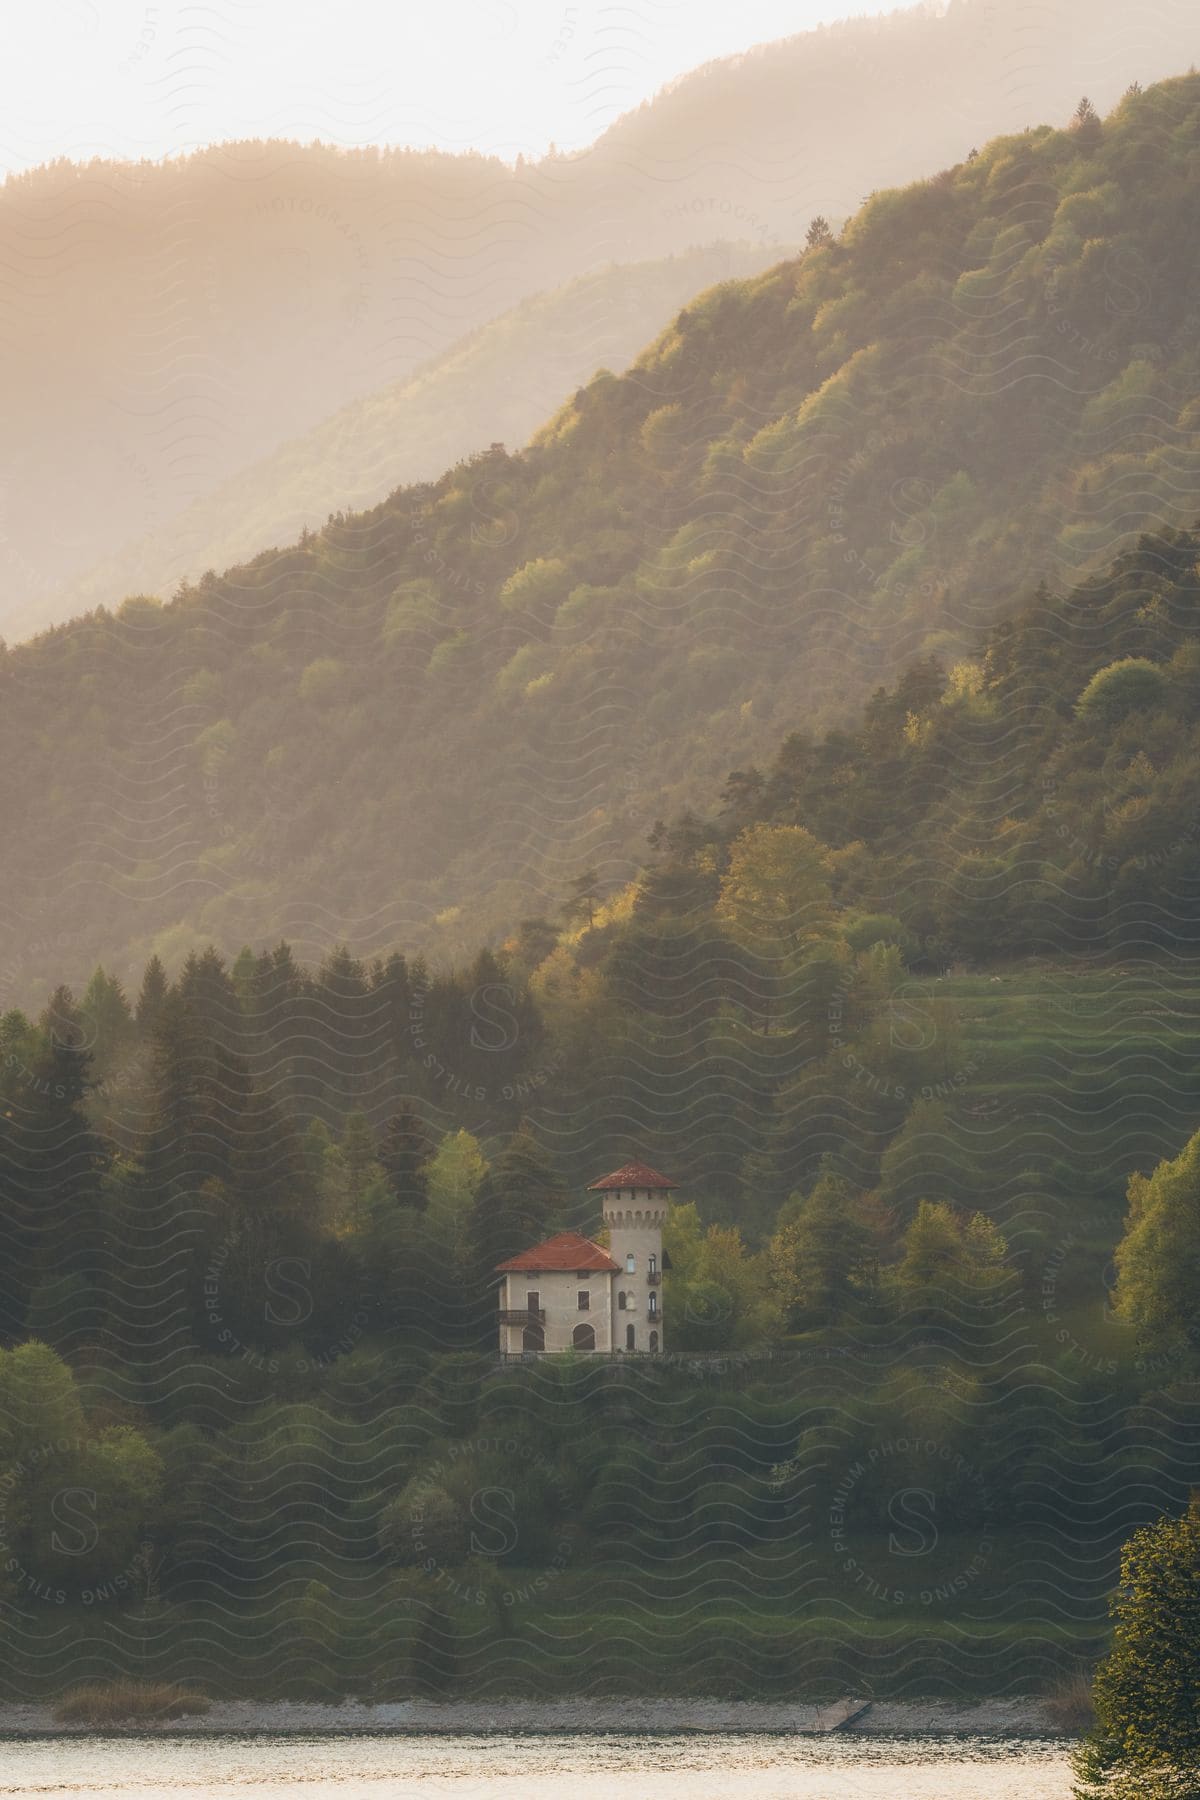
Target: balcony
(653, 1278)
(523, 1315)
(654, 1314)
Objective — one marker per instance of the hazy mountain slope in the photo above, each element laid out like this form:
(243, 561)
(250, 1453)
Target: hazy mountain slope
(899, 96)
(163, 326)
(498, 385)
(417, 725)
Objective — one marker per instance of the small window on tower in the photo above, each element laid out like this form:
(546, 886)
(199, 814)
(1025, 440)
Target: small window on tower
(630, 1263)
(585, 1300)
(621, 1302)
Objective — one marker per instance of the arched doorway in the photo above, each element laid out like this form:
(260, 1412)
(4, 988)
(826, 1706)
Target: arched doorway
(653, 1340)
(630, 1338)
(533, 1338)
(584, 1337)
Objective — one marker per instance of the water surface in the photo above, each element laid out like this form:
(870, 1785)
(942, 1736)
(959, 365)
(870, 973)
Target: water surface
(585, 1767)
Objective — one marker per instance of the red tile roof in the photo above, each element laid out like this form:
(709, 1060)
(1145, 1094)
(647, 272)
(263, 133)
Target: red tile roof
(633, 1175)
(565, 1251)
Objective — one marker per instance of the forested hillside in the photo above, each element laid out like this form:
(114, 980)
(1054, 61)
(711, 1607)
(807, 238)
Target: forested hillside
(416, 725)
(498, 384)
(912, 1014)
(167, 324)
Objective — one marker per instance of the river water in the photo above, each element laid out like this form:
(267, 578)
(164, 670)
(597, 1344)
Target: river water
(536, 1768)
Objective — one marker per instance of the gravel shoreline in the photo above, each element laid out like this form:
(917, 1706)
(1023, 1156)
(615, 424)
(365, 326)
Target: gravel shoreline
(1019, 1716)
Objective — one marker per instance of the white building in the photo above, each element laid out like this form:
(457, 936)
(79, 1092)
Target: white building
(572, 1294)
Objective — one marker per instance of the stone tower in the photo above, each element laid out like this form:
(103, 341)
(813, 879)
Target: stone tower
(634, 1201)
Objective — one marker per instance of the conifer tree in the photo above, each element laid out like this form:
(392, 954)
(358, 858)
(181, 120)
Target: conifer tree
(1086, 124)
(515, 1203)
(107, 1020)
(403, 1153)
(152, 996)
(583, 897)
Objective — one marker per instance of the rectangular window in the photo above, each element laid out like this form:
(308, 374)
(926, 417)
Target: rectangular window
(533, 1299)
(585, 1300)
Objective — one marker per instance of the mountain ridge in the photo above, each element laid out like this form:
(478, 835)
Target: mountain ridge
(417, 725)
(170, 323)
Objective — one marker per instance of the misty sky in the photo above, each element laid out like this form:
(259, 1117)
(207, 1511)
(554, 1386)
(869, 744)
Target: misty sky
(123, 78)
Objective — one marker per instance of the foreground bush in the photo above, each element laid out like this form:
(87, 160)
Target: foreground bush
(1146, 1745)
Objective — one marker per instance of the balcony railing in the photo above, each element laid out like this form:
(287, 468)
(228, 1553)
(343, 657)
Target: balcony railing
(654, 1314)
(653, 1278)
(523, 1315)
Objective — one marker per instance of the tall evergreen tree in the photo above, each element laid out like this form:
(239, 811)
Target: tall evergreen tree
(62, 1161)
(515, 1204)
(107, 1021)
(152, 996)
(404, 1152)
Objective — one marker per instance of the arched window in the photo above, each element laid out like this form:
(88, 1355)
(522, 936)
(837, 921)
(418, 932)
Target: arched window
(653, 1263)
(630, 1263)
(584, 1337)
(533, 1339)
(630, 1338)
(653, 1304)
(621, 1302)
(654, 1340)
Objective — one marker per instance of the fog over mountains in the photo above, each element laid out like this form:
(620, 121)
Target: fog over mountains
(167, 326)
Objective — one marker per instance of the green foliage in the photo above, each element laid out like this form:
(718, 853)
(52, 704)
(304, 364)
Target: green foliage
(443, 638)
(1158, 1259)
(1133, 685)
(823, 1256)
(777, 883)
(1146, 1745)
(424, 1527)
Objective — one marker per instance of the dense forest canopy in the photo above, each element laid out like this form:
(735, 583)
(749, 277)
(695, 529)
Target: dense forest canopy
(417, 724)
(550, 814)
(497, 384)
(902, 1038)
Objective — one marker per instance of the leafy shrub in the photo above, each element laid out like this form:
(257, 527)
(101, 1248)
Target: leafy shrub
(115, 1702)
(1132, 685)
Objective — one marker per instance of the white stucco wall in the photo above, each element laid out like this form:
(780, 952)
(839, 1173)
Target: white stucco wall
(558, 1295)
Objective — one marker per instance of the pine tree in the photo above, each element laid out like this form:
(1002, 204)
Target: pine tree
(583, 898)
(1086, 124)
(61, 1162)
(152, 997)
(107, 1021)
(403, 1153)
(514, 1204)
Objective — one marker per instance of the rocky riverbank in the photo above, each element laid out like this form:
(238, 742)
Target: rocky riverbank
(1018, 1716)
